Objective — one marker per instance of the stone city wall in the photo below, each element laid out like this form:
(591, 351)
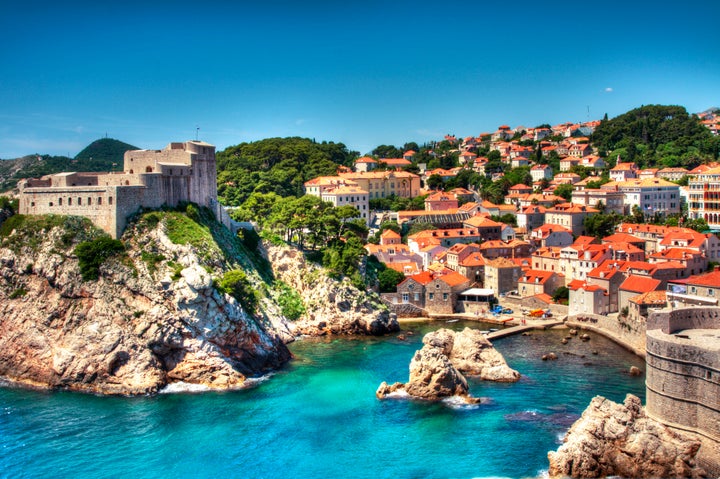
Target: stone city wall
(683, 375)
(97, 203)
(629, 333)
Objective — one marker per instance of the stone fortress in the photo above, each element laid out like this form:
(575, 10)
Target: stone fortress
(182, 172)
(683, 376)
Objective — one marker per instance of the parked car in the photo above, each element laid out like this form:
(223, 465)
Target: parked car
(507, 311)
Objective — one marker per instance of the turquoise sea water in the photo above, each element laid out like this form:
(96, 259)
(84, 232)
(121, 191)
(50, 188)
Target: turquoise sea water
(320, 418)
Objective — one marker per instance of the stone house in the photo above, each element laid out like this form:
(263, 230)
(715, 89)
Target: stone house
(473, 268)
(534, 282)
(609, 276)
(701, 289)
(442, 292)
(587, 298)
(506, 249)
(623, 172)
(551, 235)
(694, 261)
(390, 237)
(635, 285)
(457, 253)
(502, 275)
(569, 215)
(531, 217)
(485, 227)
(440, 201)
(640, 306)
(412, 290)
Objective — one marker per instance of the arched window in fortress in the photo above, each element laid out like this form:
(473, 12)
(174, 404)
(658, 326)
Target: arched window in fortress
(59, 201)
(51, 204)
(89, 201)
(148, 169)
(127, 182)
(110, 200)
(99, 201)
(69, 201)
(79, 201)
(132, 172)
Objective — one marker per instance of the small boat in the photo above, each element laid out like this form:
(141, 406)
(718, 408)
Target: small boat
(452, 321)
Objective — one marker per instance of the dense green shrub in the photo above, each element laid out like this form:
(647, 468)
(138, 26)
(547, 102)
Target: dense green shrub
(290, 302)
(92, 254)
(236, 284)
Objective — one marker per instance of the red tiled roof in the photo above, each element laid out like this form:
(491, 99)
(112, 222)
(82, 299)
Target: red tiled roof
(622, 237)
(423, 278)
(453, 278)
(389, 234)
(580, 284)
(707, 279)
(651, 297)
(640, 284)
(532, 274)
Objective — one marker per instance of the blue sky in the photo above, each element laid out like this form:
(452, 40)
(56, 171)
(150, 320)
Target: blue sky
(362, 73)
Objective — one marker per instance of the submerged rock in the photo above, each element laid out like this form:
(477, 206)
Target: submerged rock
(613, 439)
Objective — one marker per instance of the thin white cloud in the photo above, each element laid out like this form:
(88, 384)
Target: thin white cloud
(608, 90)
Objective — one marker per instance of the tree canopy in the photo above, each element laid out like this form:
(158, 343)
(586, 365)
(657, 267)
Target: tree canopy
(657, 135)
(276, 165)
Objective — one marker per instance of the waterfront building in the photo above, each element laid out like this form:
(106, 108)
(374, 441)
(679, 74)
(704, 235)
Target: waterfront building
(534, 282)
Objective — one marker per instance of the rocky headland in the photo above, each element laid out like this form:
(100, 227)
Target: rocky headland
(332, 307)
(613, 439)
(436, 370)
(179, 302)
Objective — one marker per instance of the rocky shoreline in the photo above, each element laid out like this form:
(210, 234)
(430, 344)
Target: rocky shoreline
(613, 439)
(155, 315)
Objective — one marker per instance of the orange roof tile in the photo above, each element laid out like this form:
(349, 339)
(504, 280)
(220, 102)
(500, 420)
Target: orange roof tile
(707, 279)
(453, 278)
(640, 284)
(651, 297)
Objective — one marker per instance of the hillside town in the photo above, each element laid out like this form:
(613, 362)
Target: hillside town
(463, 253)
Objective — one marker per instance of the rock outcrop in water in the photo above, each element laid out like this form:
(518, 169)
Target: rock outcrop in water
(613, 439)
(333, 307)
(474, 355)
(436, 369)
(153, 317)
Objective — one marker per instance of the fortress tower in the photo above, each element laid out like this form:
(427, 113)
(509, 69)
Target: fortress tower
(181, 172)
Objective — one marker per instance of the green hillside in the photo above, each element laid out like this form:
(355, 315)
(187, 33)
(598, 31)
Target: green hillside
(657, 135)
(101, 154)
(98, 156)
(278, 165)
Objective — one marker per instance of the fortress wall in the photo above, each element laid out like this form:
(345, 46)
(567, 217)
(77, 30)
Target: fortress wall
(145, 161)
(93, 202)
(129, 200)
(685, 318)
(626, 331)
(683, 373)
